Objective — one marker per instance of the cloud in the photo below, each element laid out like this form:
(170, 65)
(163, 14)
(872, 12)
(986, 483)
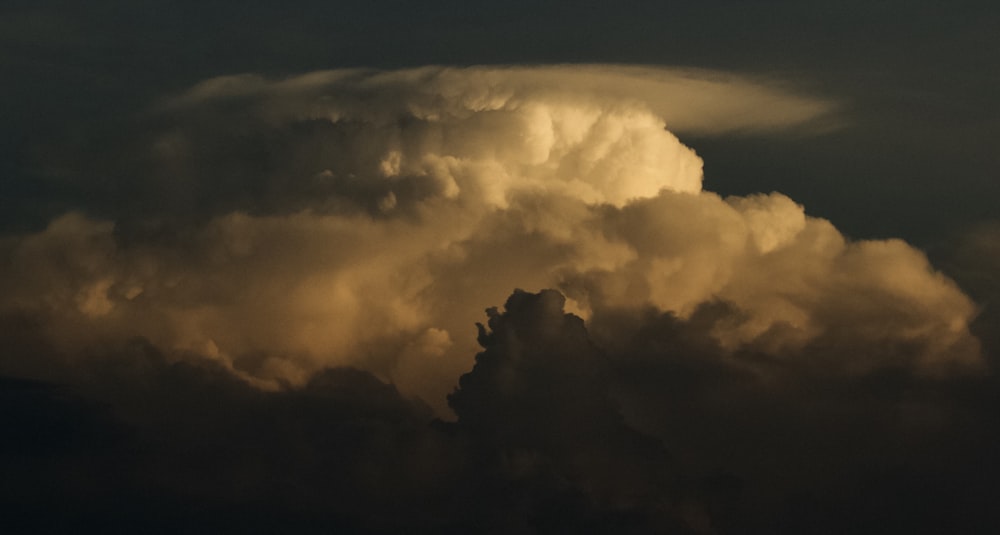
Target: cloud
(363, 218)
(692, 101)
(628, 424)
(795, 280)
(384, 141)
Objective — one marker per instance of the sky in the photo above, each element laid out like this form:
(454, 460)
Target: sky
(390, 267)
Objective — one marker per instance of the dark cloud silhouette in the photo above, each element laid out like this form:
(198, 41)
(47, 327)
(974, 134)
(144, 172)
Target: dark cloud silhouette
(639, 423)
(139, 443)
(538, 402)
(814, 451)
(133, 441)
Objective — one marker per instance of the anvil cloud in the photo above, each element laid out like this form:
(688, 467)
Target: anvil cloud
(365, 218)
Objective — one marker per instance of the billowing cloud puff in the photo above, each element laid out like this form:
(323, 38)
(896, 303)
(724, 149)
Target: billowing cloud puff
(366, 218)
(795, 280)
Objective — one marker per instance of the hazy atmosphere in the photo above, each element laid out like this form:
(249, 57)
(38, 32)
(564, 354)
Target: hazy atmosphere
(388, 267)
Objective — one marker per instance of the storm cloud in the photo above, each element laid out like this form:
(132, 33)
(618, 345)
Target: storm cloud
(362, 218)
(295, 266)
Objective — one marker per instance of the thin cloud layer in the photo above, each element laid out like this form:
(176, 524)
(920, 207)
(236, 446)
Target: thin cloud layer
(358, 218)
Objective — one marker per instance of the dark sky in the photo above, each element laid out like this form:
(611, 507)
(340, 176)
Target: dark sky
(249, 304)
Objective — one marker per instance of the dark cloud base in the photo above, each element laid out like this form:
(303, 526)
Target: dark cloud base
(631, 424)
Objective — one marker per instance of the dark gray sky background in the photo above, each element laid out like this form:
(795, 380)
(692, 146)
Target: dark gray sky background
(916, 157)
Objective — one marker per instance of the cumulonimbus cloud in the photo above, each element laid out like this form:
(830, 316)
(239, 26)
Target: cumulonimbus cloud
(366, 218)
